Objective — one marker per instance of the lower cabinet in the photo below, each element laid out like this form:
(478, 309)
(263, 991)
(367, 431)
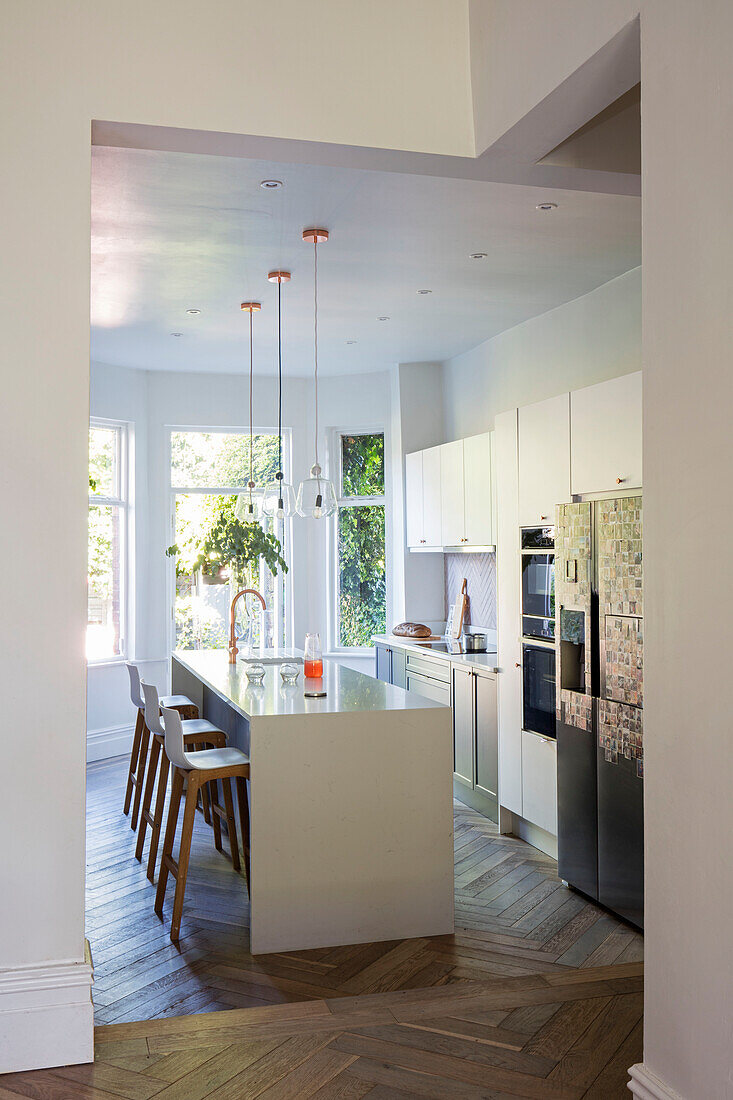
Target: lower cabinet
(390, 664)
(475, 738)
(539, 781)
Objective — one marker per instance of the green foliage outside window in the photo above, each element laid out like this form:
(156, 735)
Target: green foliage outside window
(361, 541)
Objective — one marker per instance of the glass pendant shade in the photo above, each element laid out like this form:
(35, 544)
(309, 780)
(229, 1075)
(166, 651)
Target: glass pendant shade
(247, 508)
(316, 496)
(279, 499)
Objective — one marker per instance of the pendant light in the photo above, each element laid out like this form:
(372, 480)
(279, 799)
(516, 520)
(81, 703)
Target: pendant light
(279, 498)
(247, 506)
(316, 494)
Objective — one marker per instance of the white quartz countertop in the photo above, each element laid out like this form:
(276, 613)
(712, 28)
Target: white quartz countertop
(454, 653)
(347, 691)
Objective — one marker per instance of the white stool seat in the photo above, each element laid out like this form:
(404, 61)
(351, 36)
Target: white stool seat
(213, 759)
(174, 701)
(198, 725)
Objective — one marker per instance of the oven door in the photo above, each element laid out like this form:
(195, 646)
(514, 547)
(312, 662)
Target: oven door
(538, 585)
(538, 681)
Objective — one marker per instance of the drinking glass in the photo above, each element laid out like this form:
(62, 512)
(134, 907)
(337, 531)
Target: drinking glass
(313, 656)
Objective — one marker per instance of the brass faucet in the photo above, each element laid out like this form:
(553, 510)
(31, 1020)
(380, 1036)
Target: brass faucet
(233, 651)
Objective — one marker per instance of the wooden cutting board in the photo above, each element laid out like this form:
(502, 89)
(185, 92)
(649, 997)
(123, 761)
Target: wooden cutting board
(459, 612)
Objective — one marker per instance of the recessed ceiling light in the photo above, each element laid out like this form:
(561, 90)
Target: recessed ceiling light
(272, 185)
(383, 318)
(176, 334)
(351, 341)
(193, 312)
(547, 206)
(477, 255)
(425, 292)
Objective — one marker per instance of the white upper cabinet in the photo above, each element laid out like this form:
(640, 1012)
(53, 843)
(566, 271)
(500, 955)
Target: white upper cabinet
(432, 534)
(544, 459)
(413, 498)
(606, 436)
(477, 482)
(452, 495)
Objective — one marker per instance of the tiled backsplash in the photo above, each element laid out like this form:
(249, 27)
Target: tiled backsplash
(480, 573)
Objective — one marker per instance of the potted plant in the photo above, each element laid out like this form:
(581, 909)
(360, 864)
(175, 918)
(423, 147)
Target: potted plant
(227, 549)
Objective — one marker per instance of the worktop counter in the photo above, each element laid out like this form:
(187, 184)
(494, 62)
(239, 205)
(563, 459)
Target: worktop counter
(454, 654)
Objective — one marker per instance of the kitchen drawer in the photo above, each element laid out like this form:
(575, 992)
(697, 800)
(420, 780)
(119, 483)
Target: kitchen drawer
(539, 781)
(428, 666)
(436, 690)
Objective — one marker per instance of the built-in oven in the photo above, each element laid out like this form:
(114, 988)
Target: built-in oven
(538, 688)
(538, 582)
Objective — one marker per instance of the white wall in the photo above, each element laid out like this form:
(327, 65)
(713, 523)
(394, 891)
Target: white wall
(154, 401)
(592, 339)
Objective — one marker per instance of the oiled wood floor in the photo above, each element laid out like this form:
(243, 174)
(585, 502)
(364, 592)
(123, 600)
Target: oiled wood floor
(563, 1035)
(513, 918)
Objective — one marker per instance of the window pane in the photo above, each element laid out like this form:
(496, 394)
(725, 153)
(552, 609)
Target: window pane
(103, 457)
(104, 586)
(201, 460)
(362, 465)
(202, 602)
(362, 577)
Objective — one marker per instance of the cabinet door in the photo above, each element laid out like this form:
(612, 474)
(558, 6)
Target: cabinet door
(507, 609)
(463, 725)
(539, 781)
(452, 516)
(432, 535)
(479, 528)
(399, 674)
(487, 736)
(606, 423)
(384, 663)
(413, 498)
(544, 460)
(436, 690)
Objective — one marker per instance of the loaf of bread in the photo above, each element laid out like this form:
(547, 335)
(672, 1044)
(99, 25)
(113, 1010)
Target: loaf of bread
(411, 630)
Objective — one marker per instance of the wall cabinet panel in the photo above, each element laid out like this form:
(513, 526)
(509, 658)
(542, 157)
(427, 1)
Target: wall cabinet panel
(544, 460)
(606, 436)
(478, 490)
(452, 494)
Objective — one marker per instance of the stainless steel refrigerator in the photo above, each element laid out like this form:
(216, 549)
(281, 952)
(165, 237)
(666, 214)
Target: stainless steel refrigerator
(599, 701)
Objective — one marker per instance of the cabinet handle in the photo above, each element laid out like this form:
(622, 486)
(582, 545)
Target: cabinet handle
(517, 664)
(544, 517)
(620, 480)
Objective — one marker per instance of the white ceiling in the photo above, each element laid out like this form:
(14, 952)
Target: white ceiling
(174, 231)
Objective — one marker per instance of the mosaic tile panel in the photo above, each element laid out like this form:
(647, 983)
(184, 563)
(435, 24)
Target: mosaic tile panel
(575, 710)
(622, 670)
(573, 583)
(621, 733)
(620, 578)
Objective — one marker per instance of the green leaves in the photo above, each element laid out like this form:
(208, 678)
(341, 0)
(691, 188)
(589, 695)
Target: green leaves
(231, 543)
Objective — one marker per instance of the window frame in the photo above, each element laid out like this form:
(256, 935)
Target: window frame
(120, 500)
(335, 457)
(222, 490)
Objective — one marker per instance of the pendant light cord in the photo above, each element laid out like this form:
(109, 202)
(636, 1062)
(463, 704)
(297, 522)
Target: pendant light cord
(279, 384)
(251, 430)
(315, 341)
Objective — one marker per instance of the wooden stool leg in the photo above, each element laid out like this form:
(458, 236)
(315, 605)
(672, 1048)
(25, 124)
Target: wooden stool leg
(145, 816)
(205, 802)
(170, 835)
(158, 814)
(185, 850)
(139, 722)
(231, 824)
(140, 774)
(215, 822)
(244, 823)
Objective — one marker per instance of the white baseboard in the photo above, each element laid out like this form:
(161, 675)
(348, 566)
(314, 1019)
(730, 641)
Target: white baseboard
(105, 743)
(46, 1016)
(645, 1085)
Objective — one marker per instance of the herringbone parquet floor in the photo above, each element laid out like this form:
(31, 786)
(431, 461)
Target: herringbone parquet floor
(537, 994)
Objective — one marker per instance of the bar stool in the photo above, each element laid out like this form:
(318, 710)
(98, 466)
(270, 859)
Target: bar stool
(198, 733)
(141, 738)
(194, 770)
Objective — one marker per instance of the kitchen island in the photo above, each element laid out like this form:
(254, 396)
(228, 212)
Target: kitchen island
(350, 803)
